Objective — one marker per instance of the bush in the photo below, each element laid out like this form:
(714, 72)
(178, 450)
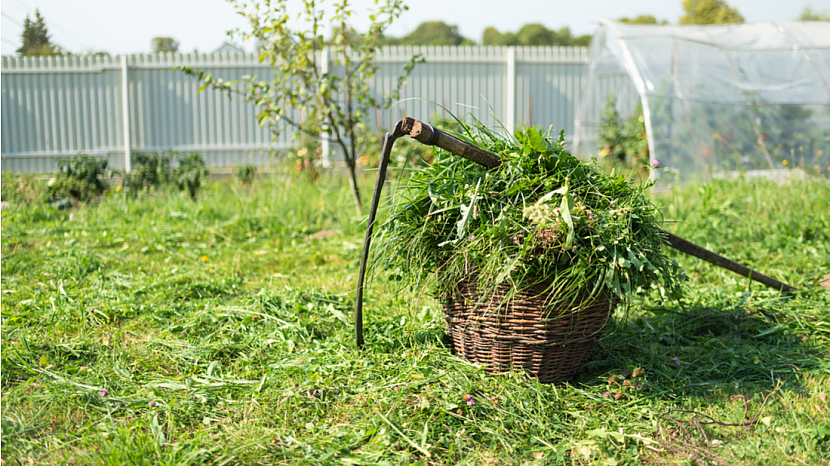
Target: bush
(190, 172)
(158, 169)
(81, 177)
(150, 169)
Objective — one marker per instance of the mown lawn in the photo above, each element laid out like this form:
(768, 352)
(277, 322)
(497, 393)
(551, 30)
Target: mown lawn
(165, 331)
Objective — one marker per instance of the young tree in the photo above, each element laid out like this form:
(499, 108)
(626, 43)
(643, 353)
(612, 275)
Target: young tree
(334, 103)
(36, 40)
(709, 12)
(164, 44)
(534, 34)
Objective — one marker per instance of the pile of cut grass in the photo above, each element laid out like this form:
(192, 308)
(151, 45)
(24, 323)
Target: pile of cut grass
(165, 331)
(542, 216)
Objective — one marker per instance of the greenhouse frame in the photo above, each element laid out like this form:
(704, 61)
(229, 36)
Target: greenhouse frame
(714, 99)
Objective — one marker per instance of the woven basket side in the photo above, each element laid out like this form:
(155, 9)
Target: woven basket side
(525, 332)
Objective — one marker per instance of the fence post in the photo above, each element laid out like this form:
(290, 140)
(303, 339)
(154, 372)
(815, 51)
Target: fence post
(324, 134)
(511, 90)
(125, 108)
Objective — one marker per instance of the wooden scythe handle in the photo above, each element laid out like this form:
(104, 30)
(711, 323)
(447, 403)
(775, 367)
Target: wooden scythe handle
(692, 249)
(427, 134)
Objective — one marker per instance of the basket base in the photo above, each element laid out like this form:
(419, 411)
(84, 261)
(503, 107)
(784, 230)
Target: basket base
(551, 343)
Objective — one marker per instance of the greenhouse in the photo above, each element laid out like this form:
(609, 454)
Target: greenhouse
(712, 99)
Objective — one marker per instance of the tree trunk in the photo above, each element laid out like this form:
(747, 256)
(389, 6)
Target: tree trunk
(349, 158)
(355, 189)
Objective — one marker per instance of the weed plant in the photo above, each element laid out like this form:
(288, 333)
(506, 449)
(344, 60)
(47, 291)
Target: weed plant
(154, 170)
(82, 178)
(162, 331)
(150, 170)
(190, 173)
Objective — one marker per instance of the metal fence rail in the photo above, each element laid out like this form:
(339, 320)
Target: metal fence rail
(55, 107)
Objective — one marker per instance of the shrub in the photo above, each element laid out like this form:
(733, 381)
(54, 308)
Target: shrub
(163, 168)
(81, 177)
(190, 173)
(150, 169)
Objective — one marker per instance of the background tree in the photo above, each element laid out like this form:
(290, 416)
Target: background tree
(36, 40)
(643, 19)
(564, 38)
(164, 44)
(336, 103)
(492, 36)
(709, 12)
(581, 41)
(435, 33)
(534, 34)
(809, 14)
(354, 38)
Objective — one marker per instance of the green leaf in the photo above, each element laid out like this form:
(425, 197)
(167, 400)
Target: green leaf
(549, 196)
(508, 269)
(623, 262)
(203, 87)
(466, 211)
(565, 211)
(563, 190)
(212, 367)
(602, 433)
(336, 313)
(769, 331)
(633, 258)
(535, 141)
(169, 385)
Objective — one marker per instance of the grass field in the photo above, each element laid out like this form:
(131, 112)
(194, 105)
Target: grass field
(165, 331)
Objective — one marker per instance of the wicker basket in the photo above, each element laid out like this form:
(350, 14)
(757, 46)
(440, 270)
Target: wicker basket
(519, 334)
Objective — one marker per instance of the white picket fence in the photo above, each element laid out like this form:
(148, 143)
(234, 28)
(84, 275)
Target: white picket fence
(55, 107)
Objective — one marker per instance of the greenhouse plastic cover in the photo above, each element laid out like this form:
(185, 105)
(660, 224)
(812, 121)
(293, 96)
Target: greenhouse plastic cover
(715, 98)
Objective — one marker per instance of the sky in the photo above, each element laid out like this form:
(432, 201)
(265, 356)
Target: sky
(127, 26)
